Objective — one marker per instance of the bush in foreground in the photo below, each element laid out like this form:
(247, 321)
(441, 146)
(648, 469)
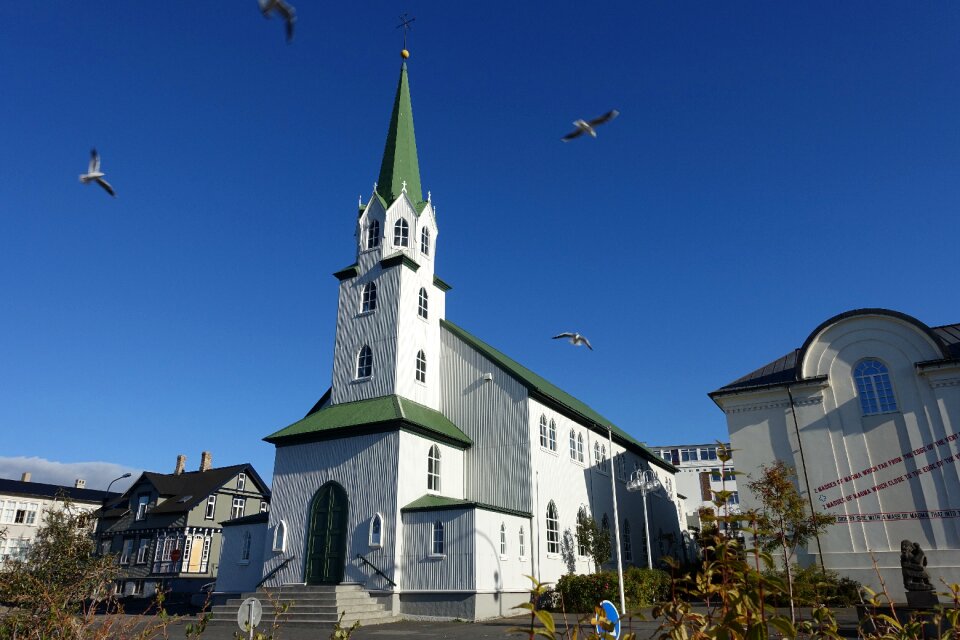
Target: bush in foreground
(581, 593)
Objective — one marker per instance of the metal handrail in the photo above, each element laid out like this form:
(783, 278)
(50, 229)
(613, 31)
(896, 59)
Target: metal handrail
(380, 573)
(274, 571)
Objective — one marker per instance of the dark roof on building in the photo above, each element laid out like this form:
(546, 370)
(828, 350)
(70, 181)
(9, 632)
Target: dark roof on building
(182, 492)
(258, 518)
(43, 490)
(785, 369)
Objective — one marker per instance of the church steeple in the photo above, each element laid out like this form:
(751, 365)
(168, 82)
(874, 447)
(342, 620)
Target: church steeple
(400, 164)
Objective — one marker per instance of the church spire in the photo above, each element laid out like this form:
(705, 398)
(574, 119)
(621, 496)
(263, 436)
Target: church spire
(400, 169)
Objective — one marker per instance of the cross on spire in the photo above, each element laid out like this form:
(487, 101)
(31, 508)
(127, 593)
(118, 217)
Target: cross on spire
(405, 24)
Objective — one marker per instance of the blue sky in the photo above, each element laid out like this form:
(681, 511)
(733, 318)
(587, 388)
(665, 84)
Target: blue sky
(774, 164)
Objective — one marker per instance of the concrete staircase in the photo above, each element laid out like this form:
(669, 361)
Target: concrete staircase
(312, 605)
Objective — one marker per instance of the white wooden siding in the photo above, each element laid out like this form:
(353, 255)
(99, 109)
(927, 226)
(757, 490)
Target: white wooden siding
(507, 572)
(454, 571)
(493, 414)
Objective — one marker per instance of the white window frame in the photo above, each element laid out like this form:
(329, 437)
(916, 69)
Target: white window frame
(425, 241)
(552, 435)
(423, 304)
(523, 544)
(375, 537)
(241, 481)
(365, 363)
(143, 546)
(368, 297)
(280, 537)
(874, 391)
(211, 509)
(421, 367)
(373, 234)
(126, 551)
(553, 530)
(581, 547)
(143, 501)
(401, 233)
(503, 541)
(433, 469)
(543, 431)
(573, 445)
(580, 448)
(239, 504)
(438, 546)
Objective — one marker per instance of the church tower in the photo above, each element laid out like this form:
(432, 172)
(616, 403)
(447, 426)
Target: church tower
(391, 304)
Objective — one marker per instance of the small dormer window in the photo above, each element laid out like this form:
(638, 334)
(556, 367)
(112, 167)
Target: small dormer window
(373, 234)
(401, 233)
(425, 241)
(241, 481)
(211, 507)
(368, 297)
(142, 501)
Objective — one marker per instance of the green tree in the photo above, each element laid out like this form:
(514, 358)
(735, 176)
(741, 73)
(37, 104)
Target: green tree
(784, 522)
(595, 539)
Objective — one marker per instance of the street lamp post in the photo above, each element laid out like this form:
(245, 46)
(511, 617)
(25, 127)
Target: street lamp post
(645, 482)
(106, 495)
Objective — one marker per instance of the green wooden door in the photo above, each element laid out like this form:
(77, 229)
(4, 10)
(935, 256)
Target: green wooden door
(327, 544)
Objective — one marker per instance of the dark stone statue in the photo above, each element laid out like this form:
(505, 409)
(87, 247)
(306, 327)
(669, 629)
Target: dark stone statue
(916, 580)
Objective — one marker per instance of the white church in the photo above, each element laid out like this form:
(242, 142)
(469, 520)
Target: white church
(436, 472)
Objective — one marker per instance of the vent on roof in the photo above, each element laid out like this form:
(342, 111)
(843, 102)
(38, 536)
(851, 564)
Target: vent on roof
(184, 499)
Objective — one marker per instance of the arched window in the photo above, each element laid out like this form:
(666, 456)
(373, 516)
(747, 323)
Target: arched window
(425, 241)
(573, 444)
(579, 447)
(874, 388)
(503, 539)
(365, 363)
(543, 431)
(401, 233)
(245, 551)
(373, 234)
(421, 367)
(603, 453)
(433, 469)
(581, 539)
(368, 297)
(596, 453)
(627, 545)
(553, 529)
(280, 537)
(376, 531)
(523, 544)
(553, 435)
(438, 546)
(422, 304)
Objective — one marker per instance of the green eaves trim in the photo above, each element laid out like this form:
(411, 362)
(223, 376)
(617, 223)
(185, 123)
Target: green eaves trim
(345, 274)
(397, 259)
(430, 502)
(440, 284)
(553, 395)
(366, 416)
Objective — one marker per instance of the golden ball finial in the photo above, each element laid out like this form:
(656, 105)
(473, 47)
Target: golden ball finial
(404, 54)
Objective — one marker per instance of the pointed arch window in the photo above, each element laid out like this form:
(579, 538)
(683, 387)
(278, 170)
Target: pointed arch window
(438, 541)
(245, 551)
(543, 431)
(373, 234)
(553, 435)
(553, 529)
(503, 539)
(368, 297)
(401, 233)
(581, 540)
(523, 544)
(422, 304)
(596, 453)
(873, 386)
(433, 469)
(376, 531)
(421, 367)
(364, 363)
(579, 447)
(573, 444)
(605, 525)
(280, 537)
(627, 545)
(425, 241)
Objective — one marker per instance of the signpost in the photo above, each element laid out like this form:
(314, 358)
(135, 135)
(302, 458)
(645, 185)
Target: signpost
(248, 615)
(612, 616)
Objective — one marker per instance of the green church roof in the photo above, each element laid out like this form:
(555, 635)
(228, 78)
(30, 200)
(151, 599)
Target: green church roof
(399, 163)
(432, 502)
(369, 416)
(552, 394)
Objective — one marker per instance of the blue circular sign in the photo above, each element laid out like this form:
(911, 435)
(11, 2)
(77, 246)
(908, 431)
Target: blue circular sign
(611, 612)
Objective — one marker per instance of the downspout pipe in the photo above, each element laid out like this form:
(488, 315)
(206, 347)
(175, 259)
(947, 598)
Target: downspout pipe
(806, 479)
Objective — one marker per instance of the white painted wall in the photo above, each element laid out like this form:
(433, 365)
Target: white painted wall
(498, 572)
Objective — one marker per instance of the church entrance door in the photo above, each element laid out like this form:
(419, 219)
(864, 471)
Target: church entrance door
(327, 540)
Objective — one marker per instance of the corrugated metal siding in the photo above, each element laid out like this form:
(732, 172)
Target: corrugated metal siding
(453, 572)
(366, 467)
(495, 416)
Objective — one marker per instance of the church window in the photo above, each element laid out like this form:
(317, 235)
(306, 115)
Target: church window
(543, 431)
(553, 529)
(605, 525)
(368, 297)
(373, 234)
(421, 367)
(596, 453)
(553, 435)
(425, 241)
(503, 539)
(376, 531)
(603, 453)
(280, 537)
(579, 447)
(581, 540)
(422, 304)
(627, 546)
(523, 544)
(245, 551)
(438, 547)
(401, 233)
(573, 444)
(874, 388)
(365, 363)
(433, 469)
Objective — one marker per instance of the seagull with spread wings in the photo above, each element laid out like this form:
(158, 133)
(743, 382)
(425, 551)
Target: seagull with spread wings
(284, 9)
(582, 126)
(94, 174)
(575, 339)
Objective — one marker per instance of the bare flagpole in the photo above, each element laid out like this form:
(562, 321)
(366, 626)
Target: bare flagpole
(616, 523)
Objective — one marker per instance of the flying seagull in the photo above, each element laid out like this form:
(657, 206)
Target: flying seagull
(94, 174)
(582, 126)
(575, 339)
(284, 9)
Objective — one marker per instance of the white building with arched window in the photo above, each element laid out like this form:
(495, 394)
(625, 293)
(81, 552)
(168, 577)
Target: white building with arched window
(868, 412)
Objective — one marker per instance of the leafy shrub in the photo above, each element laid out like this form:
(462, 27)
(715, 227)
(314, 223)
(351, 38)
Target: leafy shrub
(813, 586)
(581, 593)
